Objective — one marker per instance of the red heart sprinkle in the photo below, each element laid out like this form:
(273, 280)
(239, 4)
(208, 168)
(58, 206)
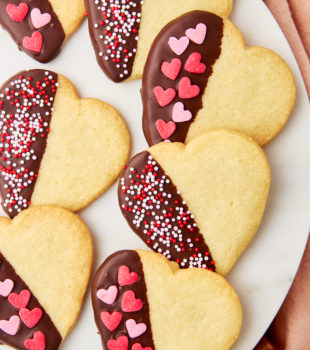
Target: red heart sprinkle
(17, 13)
(37, 342)
(130, 303)
(164, 97)
(30, 318)
(120, 344)
(171, 70)
(125, 277)
(187, 90)
(193, 64)
(111, 321)
(34, 43)
(21, 300)
(164, 129)
(138, 346)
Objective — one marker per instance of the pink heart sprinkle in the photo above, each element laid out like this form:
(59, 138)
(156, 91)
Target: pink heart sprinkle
(111, 321)
(11, 326)
(39, 19)
(138, 346)
(17, 13)
(187, 90)
(130, 303)
(178, 46)
(198, 34)
(193, 64)
(6, 287)
(120, 344)
(171, 70)
(21, 300)
(30, 317)
(108, 296)
(34, 43)
(179, 115)
(164, 97)
(135, 329)
(125, 277)
(37, 342)
(164, 129)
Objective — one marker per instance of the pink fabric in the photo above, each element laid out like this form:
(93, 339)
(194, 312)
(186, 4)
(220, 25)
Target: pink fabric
(293, 17)
(290, 329)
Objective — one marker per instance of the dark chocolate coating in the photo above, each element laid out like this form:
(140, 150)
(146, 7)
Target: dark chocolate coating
(153, 227)
(210, 51)
(106, 276)
(12, 133)
(53, 33)
(98, 27)
(45, 325)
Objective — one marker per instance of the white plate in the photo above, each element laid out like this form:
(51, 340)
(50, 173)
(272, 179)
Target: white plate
(264, 273)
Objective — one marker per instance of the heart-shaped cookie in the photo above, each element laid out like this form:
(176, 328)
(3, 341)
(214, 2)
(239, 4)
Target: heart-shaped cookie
(182, 309)
(200, 204)
(221, 82)
(46, 255)
(55, 148)
(39, 27)
(122, 33)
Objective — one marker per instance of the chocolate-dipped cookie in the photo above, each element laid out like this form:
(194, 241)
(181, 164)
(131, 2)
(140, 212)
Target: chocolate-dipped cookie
(200, 204)
(143, 301)
(55, 148)
(45, 263)
(122, 31)
(200, 75)
(39, 27)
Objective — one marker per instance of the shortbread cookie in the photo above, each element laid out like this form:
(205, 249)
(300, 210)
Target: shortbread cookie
(45, 263)
(39, 27)
(200, 75)
(122, 32)
(200, 204)
(143, 301)
(55, 148)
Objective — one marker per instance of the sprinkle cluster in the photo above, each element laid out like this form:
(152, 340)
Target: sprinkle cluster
(185, 90)
(23, 322)
(118, 26)
(121, 305)
(25, 112)
(30, 318)
(128, 304)
(156, 209)
(34, 27)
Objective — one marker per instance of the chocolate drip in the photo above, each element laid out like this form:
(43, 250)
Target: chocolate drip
(26, 104)
(53, 33)
(106, 276)
(109, 23)
(160, 52)
(45, 324)
(156, 211)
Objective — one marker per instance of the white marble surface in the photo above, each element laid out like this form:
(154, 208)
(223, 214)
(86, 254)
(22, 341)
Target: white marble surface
(265, 271)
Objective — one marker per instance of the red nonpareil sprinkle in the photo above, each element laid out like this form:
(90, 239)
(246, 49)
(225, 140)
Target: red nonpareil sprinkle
(116, 22)
(24, 120)
(159, 213)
